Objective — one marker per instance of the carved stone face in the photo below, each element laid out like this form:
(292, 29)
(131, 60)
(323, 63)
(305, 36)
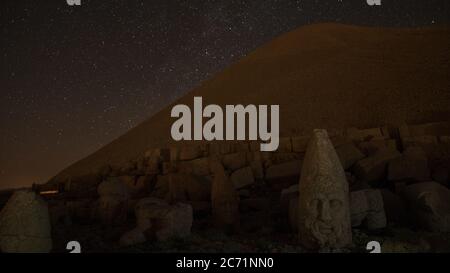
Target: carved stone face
(324, 221)
(323, 210)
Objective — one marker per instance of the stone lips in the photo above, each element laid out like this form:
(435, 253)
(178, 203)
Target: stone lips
(359, 90)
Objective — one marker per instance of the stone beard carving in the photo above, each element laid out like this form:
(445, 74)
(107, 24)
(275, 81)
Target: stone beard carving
(323, 211)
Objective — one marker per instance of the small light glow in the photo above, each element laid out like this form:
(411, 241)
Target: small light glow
(48, 192)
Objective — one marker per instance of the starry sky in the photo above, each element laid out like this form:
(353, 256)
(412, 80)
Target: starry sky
(73, 78)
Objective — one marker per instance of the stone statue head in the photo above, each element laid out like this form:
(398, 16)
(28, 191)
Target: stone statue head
(324, 216)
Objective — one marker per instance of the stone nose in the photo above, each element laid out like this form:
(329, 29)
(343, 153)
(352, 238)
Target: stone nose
(325, 211)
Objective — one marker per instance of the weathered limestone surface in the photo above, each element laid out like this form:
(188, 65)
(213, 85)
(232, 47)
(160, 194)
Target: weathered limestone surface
(323, 207)
(25, 224)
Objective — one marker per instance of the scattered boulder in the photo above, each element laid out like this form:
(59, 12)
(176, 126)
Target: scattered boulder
(348, 154)
(284, 157)
(394, 207)
(221, 148)
(408, 168)
(157, 220)
(366, 134)
(25, 224)
(374, 168)
(199, 166)
(257, 169)
(184, 187)
(429, 205)
(189, 152)
(323, 208)
(367, 208)
(371, 147)
(284, 170)
(234, 161)
(242, 178)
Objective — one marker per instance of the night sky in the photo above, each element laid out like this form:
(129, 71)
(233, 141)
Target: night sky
(75, 78)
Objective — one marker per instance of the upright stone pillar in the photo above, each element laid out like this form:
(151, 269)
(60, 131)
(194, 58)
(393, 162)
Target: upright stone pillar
(225, 201)
(323, 208)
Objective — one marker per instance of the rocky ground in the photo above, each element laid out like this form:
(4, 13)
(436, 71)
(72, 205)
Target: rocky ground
(95, 238)
(172, 200)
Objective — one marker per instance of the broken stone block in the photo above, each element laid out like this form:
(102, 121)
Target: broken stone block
(187, 187)
(199, 166)
(339, 140)
(394, 207)
(156, 219)
(242, 178)
(286, 196)
(242, 146)
(323, 201)
(348, 154)
(376, 216)
(234, 161)
(161, 189)
(113, 201)
(429, 204)
(283, 157)
(257, 169)
(224, 198)
(426, 141)
(131, 183)
(174, 154)
(366, 206)
(374, 168)
(364, 134)
(299, 144)
(284, 170)
(285, 144)
(25, 224)
(406, 168)
(358, 207)
(434, 128)
(189, 152)
(371, 147)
